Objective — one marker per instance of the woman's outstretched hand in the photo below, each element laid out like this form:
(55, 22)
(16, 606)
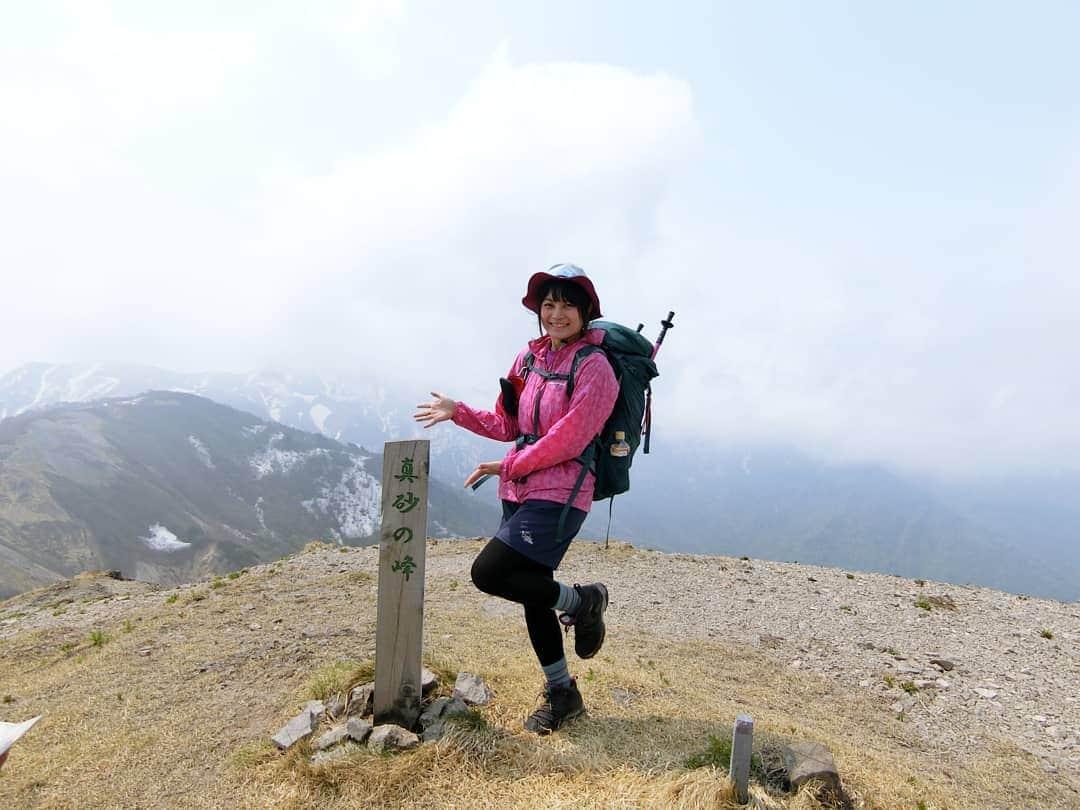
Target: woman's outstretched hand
(438, 410)
(482, 469)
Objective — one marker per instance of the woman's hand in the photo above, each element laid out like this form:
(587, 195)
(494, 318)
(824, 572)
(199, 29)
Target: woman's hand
(482, 469)
(438, 410)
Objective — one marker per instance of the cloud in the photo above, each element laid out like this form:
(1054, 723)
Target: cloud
(429, 244)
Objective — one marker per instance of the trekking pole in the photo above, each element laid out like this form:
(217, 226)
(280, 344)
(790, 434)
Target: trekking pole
(665, 324)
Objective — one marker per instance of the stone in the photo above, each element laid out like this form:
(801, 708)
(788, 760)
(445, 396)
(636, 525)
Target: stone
(806, 761)
(428, 680)
(331, 738)
(989, 694)
(472, 689)
(296, 729)
(360, 699)
(943, 664)
(388, 737)
(433, 720)
(357, 729)
(335, 706)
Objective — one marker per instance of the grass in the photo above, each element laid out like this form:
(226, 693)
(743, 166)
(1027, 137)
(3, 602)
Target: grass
(126, 732)
(171, 598)
(924, 603)
(850, 576)
(98, 638)
(716, 755)
(339, 678)
(1046, 633)
(909, 687)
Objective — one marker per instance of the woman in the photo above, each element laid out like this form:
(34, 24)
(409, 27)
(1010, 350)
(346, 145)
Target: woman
(538, 478)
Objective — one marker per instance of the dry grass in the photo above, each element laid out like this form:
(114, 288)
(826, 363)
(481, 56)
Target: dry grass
(187, 723)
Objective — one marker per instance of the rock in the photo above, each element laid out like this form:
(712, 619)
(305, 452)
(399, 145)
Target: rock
(989, 694)
(808, 761)
(357, 729)
(472, 689)
(433, 720)
(360, 699)
(335, 706)
(331, 738)
(943, 664)
(388, 737)
(297, 729)
(428, 680)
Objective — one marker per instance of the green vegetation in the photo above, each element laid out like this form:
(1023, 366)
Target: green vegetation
(196, 596)
(1046, 633)
(717, 755)
(236, 574)
(172, 597)
(217, 582)
(924, 603)
(850, 576)
(920, 582)
(98, 638)
(9, 699)
(127, 626)
(909, 687)
(471, 720)
(847, 609)
(338, 679)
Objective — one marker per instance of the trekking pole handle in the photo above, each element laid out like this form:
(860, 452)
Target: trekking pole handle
(667, 323)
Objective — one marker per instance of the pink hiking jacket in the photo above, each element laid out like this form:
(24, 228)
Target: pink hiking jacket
(546, 470)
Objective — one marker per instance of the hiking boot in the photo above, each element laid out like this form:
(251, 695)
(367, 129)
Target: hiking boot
(588, 622)
(561, 703)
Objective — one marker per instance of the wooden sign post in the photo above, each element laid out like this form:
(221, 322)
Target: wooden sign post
(399, 631)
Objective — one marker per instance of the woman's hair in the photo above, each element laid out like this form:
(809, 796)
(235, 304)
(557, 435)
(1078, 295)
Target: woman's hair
(567, 292)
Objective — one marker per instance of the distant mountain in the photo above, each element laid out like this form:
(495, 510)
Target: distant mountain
(361, 412)
(1017, 534)
(779, 504)
(168, 486)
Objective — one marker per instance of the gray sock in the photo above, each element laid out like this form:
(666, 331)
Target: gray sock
(568, 601)
(557, 674)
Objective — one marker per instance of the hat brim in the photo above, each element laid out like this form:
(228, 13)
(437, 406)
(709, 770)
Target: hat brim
(538, 280)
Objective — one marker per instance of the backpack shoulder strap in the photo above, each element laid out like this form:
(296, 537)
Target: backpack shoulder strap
(579, 358)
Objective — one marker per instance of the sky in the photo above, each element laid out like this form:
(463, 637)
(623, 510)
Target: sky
(858, 212)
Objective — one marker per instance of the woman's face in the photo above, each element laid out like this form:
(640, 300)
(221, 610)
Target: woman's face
(561, 320)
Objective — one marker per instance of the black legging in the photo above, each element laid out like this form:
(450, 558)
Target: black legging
(504, 572)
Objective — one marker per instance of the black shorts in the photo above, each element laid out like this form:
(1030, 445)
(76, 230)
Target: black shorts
(530, 528)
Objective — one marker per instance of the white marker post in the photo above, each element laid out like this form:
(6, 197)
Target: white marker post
(742, 743)
(399, 631)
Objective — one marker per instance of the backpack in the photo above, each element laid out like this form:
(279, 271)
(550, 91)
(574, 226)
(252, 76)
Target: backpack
(630, 354)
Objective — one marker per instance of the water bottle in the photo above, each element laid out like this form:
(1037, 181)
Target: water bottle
(620, 448)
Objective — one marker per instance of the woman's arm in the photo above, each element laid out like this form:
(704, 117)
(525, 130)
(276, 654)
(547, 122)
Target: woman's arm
(496, 425)
(595, 391)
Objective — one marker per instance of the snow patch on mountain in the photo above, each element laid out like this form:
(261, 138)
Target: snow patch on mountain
(353, 502)
(318, 416)
(274, 460)
(254, 430)
(201, 452)
(161, 539)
